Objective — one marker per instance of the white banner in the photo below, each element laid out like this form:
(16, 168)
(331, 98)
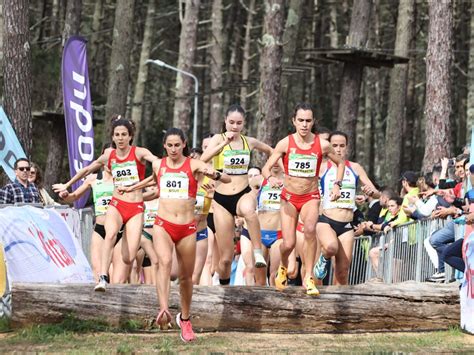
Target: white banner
(467, 286)
(40, 247)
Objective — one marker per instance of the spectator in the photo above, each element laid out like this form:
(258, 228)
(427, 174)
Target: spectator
(440, 239)
(422, 206)
(20, 190)
(409, 188)
(36, 177)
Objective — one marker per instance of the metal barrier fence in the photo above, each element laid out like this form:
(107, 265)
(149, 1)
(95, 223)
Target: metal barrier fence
(396, 256)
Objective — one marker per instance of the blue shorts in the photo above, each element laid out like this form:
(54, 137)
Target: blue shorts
(269, 237)
(201, 235)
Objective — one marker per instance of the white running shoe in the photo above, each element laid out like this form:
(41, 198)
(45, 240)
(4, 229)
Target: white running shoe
(259, 259)
(102, 284)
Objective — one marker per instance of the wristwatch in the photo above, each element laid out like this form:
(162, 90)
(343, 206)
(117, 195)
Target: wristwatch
(338, 183)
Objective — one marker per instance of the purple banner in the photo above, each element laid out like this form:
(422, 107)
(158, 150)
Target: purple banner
(77, 109)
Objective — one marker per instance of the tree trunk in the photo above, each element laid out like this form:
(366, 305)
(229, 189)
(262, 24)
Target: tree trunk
(57, 146)
(216, 65)
(187, 52)
(459, 81)
(95, 27)
(17, 70)
(334, 70)
(438, 83)
(139, 92)
(410, 138)
(290, 41)
(57, 139)
(470, 95)
(2, 31)
(119, 62)
(55, 18)
(352, 73)
(246, 55)
(367, 307)
(268, 116)
(398, 89)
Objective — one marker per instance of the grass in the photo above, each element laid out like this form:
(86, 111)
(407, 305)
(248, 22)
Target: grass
(73, 335)
(4, 325)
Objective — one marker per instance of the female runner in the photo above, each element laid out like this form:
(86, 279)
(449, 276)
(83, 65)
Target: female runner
(231, 153)
(177, 178)
(335, 231)
(302, 153)
(127, 165)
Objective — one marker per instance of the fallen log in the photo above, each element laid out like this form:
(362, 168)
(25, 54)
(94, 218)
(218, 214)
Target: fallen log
(362, 308)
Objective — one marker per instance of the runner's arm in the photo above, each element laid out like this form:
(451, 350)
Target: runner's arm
(94, 166)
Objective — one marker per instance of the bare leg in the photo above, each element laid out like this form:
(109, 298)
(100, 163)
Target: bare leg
(186, 252)
(343, 258)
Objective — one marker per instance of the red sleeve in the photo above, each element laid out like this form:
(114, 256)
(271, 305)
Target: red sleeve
(457, 190)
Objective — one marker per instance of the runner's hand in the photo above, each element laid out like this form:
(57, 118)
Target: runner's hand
(58, 188)
(229, 136)
(122, 189)
(275, 182)
(64, 194)
(335, 193)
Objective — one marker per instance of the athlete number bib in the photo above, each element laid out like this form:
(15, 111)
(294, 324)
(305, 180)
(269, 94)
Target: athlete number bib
(302, 165)
(347, 198)
(270, 198)
(174, 185)
(101, 203)
(236, 162)
(125, 174)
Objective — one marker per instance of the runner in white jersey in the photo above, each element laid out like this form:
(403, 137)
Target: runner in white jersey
(268, 202)
(334, 229)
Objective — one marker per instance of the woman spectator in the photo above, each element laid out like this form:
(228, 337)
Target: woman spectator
(36, 177)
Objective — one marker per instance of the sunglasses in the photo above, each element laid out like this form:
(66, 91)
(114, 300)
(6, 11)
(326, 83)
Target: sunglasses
(24, 168)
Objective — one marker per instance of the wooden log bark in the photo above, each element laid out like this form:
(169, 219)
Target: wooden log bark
(362, 308)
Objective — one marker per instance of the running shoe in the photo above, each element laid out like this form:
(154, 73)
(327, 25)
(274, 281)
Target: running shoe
(310, 287)
(102, 284)
(259, 259)
(436, 277)
(187, 333)
(281, 279)
(320, 269)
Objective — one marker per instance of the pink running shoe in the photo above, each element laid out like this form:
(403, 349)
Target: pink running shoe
(187, 333)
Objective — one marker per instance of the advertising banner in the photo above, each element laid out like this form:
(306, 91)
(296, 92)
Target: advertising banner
(467, 285)
(77, 109)
(5, 295)
(40, 247)
(10, 147)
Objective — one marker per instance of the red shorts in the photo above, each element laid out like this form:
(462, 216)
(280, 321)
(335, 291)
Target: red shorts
(176, 231)
(299, 200)
(127, 209)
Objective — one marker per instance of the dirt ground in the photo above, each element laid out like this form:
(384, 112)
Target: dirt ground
(37, 340)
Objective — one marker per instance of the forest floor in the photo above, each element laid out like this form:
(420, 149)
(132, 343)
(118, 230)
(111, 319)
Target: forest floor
(51, 338)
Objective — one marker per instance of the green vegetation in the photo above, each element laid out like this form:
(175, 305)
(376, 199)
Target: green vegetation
(4, 325)
(76, 336)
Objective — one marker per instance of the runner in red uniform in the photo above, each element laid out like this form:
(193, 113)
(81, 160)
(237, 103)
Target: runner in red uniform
(177, 177)
(127, 165)
(302, 154)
